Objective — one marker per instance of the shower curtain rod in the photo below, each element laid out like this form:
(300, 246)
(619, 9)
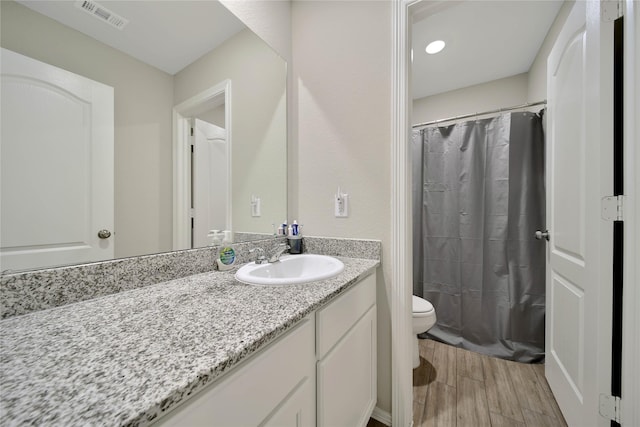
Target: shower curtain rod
(464, 116)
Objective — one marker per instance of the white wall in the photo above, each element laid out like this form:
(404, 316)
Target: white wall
(496, 94)
(342, 99)
(143, 102)
(259, 123)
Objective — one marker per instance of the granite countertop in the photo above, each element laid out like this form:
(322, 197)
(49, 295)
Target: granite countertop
(127, 358)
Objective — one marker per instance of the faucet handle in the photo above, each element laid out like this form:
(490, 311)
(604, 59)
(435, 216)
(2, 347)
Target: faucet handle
(260, 259)
(280, 248)
(277, 250)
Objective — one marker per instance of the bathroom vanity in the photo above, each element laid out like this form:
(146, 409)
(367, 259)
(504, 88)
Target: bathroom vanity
(324, 369)
(199, 350)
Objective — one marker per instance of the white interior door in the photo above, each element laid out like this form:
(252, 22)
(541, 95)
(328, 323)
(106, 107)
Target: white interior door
(56, 166)
(579, 174)
(211, 204)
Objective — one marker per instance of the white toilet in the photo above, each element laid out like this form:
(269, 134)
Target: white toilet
(424, 317)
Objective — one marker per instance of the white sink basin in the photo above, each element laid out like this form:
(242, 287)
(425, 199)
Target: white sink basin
(291, 270)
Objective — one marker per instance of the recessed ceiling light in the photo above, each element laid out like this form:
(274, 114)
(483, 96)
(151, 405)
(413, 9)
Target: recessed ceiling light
(435, 47)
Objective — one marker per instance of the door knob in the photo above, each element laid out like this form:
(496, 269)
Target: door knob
(104, 234)
(542, 235)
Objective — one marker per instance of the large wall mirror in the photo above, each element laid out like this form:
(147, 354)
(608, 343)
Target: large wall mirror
(167, 55)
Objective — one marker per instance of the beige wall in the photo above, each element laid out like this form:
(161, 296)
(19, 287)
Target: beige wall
(537, 89)
(500, 93)
(341, 71)
(259, 123)
(270, 20)
(214, 116)
(143, 103)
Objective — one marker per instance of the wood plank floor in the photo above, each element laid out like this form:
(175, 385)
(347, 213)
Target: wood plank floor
(453, 387)
(459, 388)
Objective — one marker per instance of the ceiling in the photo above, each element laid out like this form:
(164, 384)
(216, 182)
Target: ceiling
(494, 39)
(168, 35)
(485, 41)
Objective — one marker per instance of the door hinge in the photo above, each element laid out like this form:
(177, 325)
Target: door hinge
(191, 131)
(613, 208)
(610, 407)
(192, 213)
(611, 10)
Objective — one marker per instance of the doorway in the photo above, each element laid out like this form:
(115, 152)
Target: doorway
(401, 18)
(197, 184)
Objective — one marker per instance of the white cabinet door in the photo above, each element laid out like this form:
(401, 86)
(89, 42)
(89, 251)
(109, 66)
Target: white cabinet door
(579, 173)
(298, 410)
(278, 383)
(56, 166)
(347, 377)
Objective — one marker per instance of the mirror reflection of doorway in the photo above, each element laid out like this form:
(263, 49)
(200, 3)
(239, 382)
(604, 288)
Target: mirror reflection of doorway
(209, 181)
(202, 167)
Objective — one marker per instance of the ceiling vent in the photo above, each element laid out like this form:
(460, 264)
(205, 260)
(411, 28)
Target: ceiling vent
(102, 13)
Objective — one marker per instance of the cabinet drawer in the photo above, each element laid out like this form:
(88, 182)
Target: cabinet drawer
(259, 390)
(334, 320)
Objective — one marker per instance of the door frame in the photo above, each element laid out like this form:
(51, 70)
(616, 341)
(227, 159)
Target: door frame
(401, 404)
(631, 274)
(401, 227)
(182, 114)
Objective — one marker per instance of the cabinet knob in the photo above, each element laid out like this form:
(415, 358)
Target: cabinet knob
(104, 234)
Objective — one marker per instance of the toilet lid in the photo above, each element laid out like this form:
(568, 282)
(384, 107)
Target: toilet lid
(421, 305)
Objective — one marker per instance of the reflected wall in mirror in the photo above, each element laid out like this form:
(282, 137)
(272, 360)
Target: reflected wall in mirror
(145, 96)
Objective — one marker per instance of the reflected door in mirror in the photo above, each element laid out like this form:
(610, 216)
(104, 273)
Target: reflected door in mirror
(57, 166)
(210, 181)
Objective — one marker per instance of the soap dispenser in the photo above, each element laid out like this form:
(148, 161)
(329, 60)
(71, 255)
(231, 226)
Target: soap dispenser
(215, 236)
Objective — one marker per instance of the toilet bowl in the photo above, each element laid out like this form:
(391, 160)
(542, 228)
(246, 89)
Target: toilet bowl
(424, 317)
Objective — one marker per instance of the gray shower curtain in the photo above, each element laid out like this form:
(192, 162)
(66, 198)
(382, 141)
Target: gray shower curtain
(478, 197)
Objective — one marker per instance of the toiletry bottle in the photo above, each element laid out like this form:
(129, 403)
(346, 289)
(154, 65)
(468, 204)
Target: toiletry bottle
(226, 258)
(295, 239)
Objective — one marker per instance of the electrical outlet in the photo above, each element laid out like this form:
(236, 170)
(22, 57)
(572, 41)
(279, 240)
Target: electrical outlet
(341, 208)
(255, 206)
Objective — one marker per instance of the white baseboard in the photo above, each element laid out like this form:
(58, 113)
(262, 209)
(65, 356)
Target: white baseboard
(383, 416)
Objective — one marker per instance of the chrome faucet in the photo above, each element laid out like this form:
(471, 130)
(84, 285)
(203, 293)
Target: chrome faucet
(277, 251)
(260, 259)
